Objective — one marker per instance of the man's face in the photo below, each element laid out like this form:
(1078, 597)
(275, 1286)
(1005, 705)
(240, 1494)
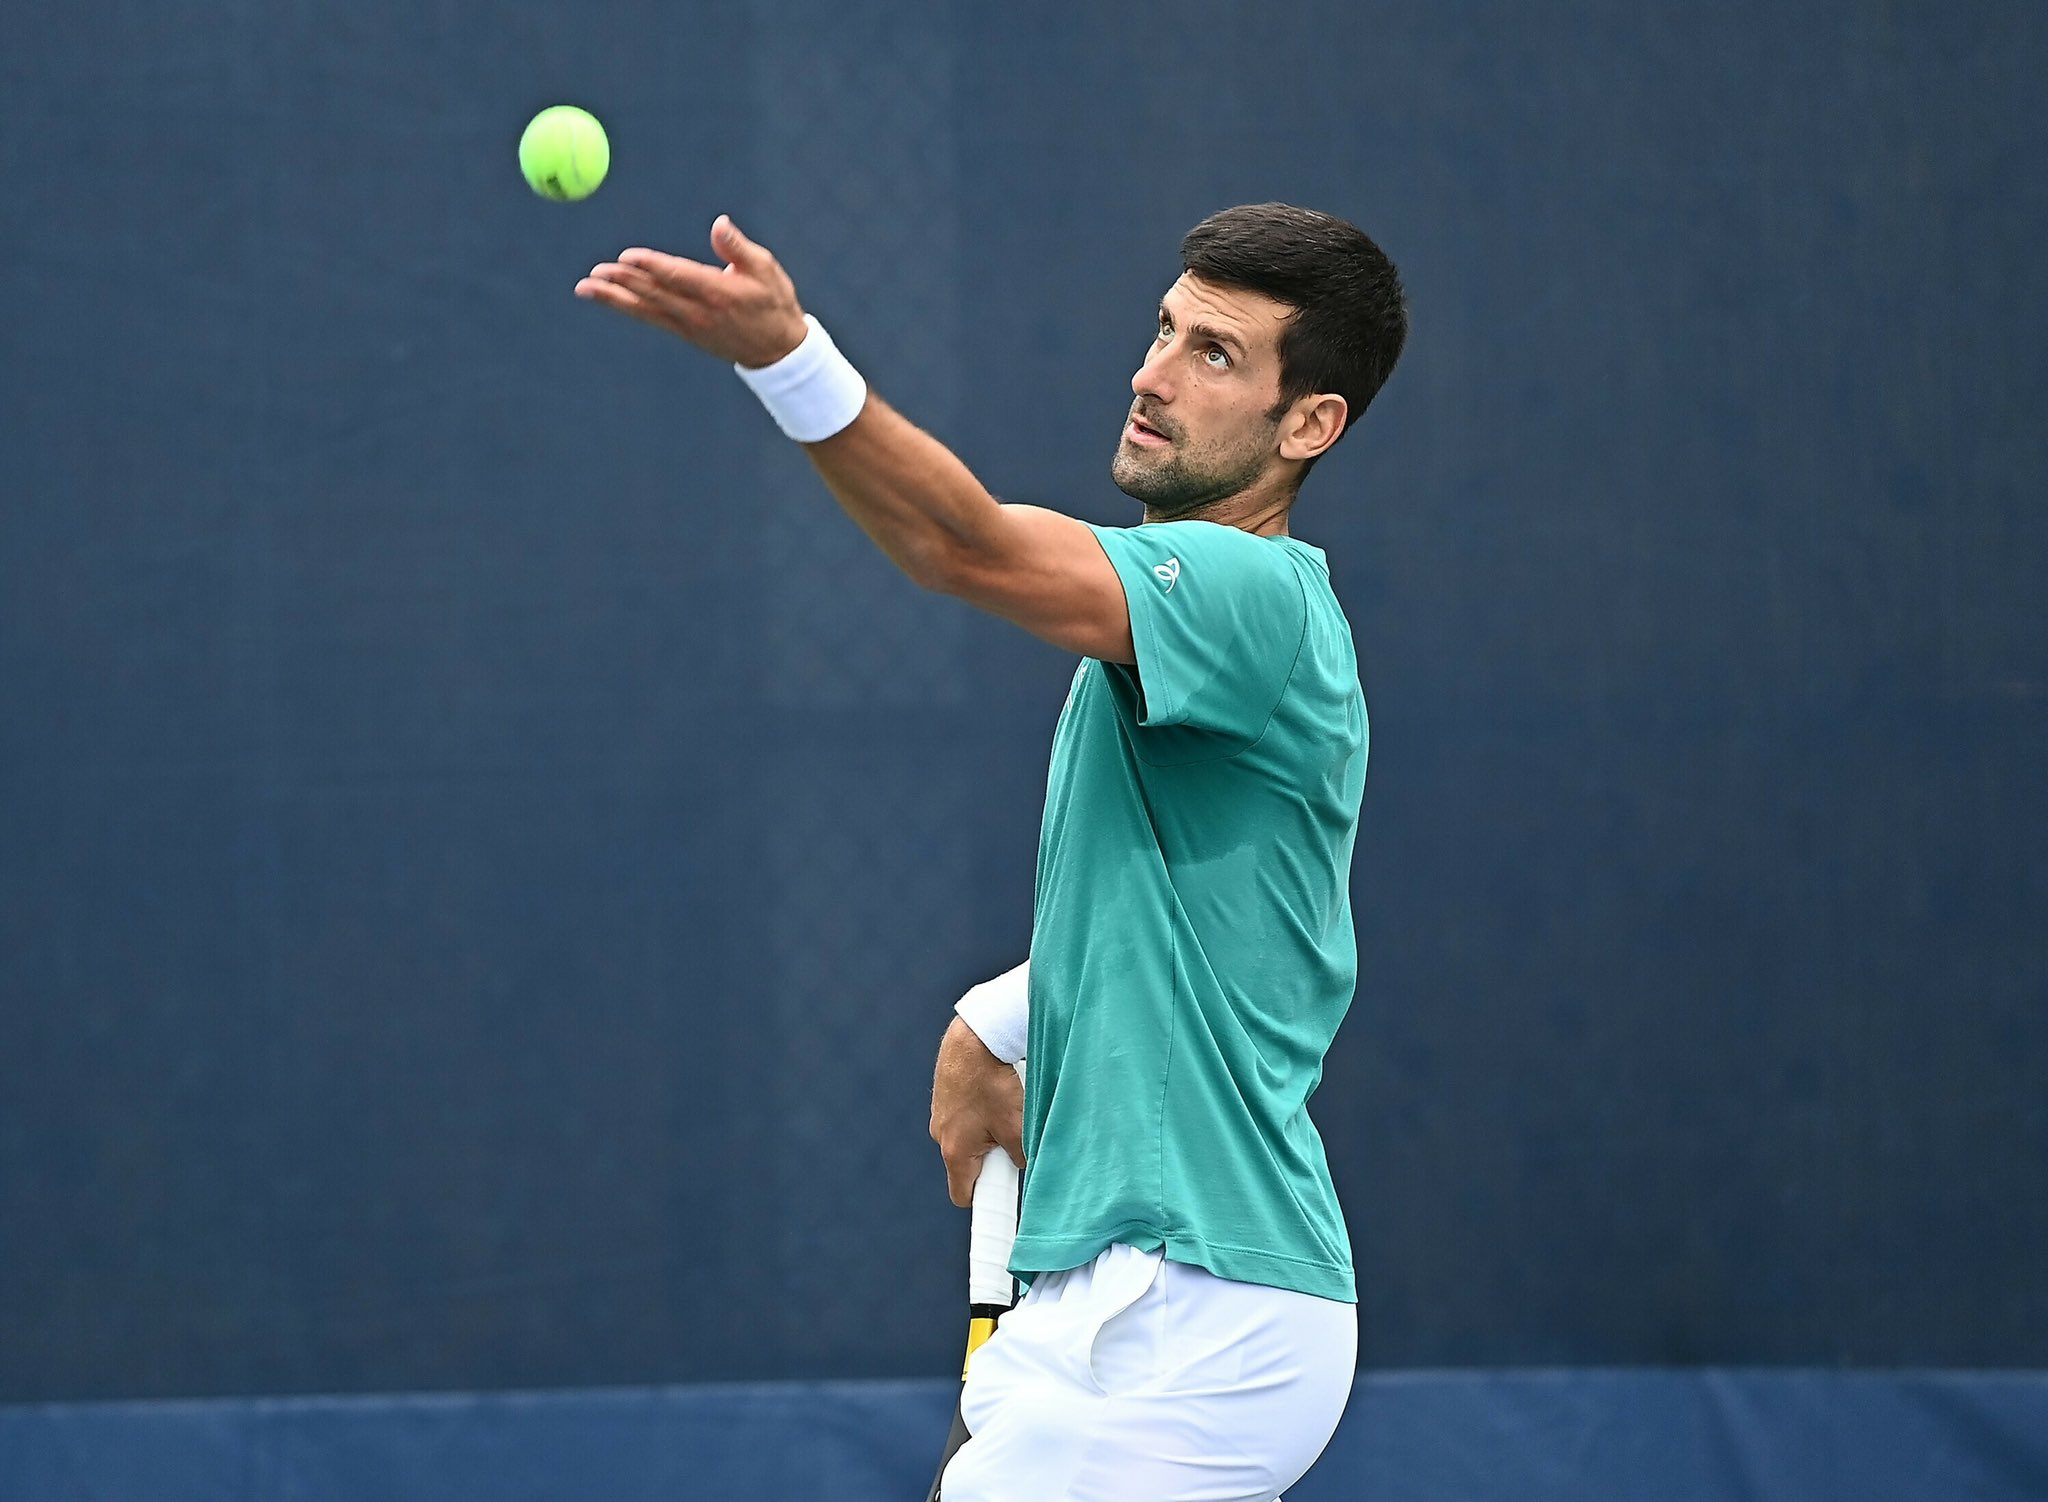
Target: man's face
(1202, 427)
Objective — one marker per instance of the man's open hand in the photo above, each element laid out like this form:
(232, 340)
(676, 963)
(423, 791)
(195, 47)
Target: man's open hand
(745, 311)
(977, 1104)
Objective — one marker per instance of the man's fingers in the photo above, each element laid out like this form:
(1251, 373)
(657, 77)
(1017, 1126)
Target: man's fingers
(960, 1176)
(634, 291)
(625, 300)
(632, 278)
(677, 274)
(749, 318)
(613, 295)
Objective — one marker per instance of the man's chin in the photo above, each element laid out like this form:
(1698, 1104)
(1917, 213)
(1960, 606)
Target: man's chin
(1162, 503)
(1144, 482)
(1133, 486)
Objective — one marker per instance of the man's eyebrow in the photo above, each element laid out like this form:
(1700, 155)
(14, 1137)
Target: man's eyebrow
(1210, 331)
(1207, 331)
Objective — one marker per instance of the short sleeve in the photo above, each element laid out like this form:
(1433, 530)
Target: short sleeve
(1217, 617)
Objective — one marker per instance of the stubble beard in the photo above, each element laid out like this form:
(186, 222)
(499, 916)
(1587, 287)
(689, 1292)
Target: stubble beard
(1172, 482)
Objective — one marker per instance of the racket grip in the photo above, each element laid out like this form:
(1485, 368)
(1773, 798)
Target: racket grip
(992, 1231)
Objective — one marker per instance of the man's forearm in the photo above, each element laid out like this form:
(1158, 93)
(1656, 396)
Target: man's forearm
(1036, 568)
(909, 492)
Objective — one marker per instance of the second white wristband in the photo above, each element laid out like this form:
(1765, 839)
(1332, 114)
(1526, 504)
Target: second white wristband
(813, 391)
(999, 1013)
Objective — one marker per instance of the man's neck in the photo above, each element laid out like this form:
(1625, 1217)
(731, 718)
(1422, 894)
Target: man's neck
(1261, 514)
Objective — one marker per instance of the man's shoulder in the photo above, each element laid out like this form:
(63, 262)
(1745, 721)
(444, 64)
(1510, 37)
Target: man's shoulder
(1196, 550)
(1211, 536)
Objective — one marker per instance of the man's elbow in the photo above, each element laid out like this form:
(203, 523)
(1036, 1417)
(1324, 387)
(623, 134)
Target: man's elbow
(929, 567)
(946, 566)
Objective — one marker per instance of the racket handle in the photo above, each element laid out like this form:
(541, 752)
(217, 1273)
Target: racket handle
(993, 1230)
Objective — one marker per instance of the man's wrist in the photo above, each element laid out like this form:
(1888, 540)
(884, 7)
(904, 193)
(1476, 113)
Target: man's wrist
(813, 391)
(998, 1012)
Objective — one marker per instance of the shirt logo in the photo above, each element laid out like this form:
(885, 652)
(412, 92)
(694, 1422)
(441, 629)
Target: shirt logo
(1168, 572)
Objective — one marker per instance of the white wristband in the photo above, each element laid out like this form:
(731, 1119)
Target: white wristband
(811, 392)
(999, 1013)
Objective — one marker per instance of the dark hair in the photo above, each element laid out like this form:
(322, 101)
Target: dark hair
(1350, 316)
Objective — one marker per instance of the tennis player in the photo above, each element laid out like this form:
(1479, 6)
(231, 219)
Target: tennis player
(1189, 1330)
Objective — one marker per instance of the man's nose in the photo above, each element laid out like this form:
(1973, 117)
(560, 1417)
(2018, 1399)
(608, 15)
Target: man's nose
(1150, 379)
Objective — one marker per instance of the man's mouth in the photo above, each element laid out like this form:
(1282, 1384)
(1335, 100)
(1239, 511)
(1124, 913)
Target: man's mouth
(1142, 433)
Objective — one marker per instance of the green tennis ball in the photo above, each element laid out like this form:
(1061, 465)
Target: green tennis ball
(564, 153)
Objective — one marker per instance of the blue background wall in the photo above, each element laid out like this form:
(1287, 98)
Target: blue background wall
(486, 850)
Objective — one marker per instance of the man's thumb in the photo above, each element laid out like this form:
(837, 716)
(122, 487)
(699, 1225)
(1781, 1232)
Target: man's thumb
(735, 247)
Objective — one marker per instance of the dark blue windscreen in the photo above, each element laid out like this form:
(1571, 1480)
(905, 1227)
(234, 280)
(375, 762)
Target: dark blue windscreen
(486, 850)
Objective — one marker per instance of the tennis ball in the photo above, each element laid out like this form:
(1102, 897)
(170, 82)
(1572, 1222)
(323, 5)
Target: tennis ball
(564, 153)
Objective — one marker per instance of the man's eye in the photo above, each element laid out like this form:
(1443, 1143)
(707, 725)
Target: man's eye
(1216, 357)
(1165, 329)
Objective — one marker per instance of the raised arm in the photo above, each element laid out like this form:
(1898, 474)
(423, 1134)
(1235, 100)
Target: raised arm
(906, 490)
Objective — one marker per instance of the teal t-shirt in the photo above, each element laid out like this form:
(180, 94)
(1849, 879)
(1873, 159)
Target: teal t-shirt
(1192, 948)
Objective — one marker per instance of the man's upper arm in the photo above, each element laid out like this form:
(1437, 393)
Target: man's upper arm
(1047, 573)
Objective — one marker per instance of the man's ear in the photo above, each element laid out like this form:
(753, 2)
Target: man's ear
(1312, 425)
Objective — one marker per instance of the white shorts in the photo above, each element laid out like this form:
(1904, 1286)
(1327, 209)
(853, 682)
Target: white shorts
(1135, 1379)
